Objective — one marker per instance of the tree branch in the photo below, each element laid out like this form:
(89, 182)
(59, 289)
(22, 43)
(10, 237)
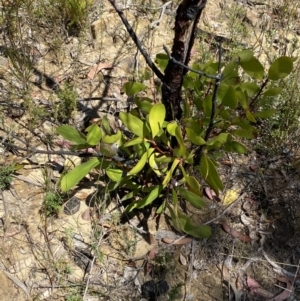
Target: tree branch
(137, 41)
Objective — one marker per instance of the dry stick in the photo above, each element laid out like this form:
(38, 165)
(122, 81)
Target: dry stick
(155, 24)
(137, 41)
(91, 269)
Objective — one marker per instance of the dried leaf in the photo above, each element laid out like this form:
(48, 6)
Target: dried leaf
(151, 256)
(86, 215)
(209, 193)
(286, 293)
(96, 68)
(180, 241)
(242, 237)
(254, 287)
(182, 259)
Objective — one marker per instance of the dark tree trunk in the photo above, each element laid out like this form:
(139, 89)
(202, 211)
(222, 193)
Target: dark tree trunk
(187, 17)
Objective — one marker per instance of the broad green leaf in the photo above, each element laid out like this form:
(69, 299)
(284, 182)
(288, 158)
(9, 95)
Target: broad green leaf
(139, 166)
(193, 184)
(190, 228)
(235, 147)
(218, 140)
(133, 123)
(134, 141)
(192, 198)
(253, 68)
(207, 105)
(250, 116)
(222, 92)
(156, 118)
(195, 138)
(161, 208)
(210, 174)
(230, 99)
(71, 134)
(171, 128)
(132, 88)
(153, 195)
(94, 134)
(194, 125)
(230, 70)
(154, 165)
(265, 114)
(280, 68)
(114, 174)
(242, 134)
(130, 195)
(178, 135)
(110, 139)
(242, 98)
(174, 217)
(144, 104)
(162, 60)
(78, 173)
(105, 125)
(272, 91)
(170, 172)
(250, 88)
(245, 55)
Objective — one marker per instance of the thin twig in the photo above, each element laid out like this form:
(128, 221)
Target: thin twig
(137, 41)
(217, 77)
(225, 210)
(155, 24)
(213, 107)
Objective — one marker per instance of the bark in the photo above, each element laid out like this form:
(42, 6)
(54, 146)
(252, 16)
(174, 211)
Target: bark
(187, 17)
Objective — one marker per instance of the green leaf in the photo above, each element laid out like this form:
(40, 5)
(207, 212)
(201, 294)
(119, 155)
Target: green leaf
(193, 185)
(78, 173)
(153, 195)
(71, 134)
(210, 174)
(94, 134)
(132, 88)
(249, 88)
(170, 172)
(171, 128)
(254, 68)
(218, 140)
(235, 147)
(156, 118)
(114, 174)
(139, 166)
(207, 105)
(130, 195)
(162, 60)
(245, 56)
(192, 198)
(230, 99)
(195, 138)
(134, 141)
(143, 103)
(272, 91)
(242, 134)
(110, 139)
(105, 125)
(265, 114)
(280, 68)
(190, 228)
(250, 116)
(230, 70)
(133, 123)
(178, 135)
